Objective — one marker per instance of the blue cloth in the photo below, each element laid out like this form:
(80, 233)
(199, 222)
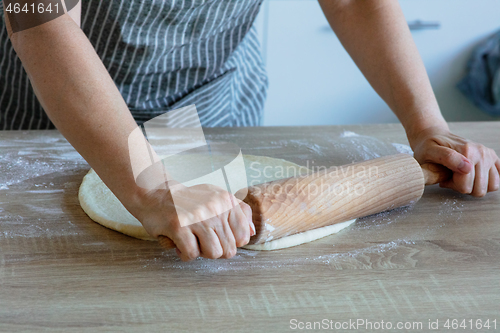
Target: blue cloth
(481, 85)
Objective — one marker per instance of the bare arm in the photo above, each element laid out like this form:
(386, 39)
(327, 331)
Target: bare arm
(79, 96)
(83, 102)
(377, 37)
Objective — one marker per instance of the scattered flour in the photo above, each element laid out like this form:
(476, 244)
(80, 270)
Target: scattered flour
(403, 149)
(269, 227)
(348, 134)
(34, 171)
(22, 169)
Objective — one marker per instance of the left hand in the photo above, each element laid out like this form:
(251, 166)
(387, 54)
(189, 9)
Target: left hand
(475, 167)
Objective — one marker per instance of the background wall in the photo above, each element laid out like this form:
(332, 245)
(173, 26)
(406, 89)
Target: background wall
(313, 81)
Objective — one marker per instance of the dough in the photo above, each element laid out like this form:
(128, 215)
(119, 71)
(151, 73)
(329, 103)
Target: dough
(303, 237)
(103, 207)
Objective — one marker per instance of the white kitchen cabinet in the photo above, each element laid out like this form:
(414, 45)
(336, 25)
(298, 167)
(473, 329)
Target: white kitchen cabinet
(313, 81)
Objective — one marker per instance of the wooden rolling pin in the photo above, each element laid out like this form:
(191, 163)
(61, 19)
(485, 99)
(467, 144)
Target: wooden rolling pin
(293, 205)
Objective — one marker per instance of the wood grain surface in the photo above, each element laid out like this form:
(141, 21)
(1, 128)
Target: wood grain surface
(59, 271)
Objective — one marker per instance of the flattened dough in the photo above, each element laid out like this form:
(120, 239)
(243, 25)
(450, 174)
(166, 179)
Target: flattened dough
(103, 207)
(302, 238)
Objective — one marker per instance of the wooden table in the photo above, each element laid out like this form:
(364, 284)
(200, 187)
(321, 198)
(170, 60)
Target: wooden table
(59, 271)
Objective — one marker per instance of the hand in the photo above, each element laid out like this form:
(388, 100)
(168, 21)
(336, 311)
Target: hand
(475, 167)
(226, 223)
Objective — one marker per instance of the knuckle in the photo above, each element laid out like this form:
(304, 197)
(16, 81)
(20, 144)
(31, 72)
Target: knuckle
(204, 187)
(246, 210)
(467, 149)
(479, 194)
(228, 202)
(464, 189)
(494, 184)
(220, 204)
(448, 156)
(184, 257)
(230, 252)
(199, 211)
(214, 254)
(242, 237)
(242, 240)
(201, 214)
(492, 154)
(483, 151)
(212, 223)
(175, 228)
(214, 249)
(192, 254)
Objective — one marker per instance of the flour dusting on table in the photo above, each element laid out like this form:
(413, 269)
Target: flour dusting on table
(38, 171)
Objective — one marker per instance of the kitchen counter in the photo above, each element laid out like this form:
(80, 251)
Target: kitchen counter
(60, 271)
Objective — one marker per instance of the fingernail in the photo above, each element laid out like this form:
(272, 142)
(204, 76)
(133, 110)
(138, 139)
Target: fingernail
(253, 229)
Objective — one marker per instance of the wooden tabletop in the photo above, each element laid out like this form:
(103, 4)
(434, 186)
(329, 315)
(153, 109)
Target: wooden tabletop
(59, 271)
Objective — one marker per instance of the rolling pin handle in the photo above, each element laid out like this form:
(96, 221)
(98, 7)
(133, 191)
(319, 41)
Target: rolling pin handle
(435, 173)
(166, 242)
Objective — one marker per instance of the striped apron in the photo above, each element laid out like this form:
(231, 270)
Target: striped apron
(162, 55)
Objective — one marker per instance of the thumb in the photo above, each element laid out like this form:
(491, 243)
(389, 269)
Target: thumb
(450, 158)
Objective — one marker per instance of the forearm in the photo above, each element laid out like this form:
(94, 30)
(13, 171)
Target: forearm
(377, 37)
(80, 98)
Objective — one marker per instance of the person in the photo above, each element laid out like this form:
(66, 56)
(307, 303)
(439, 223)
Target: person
(135, 60)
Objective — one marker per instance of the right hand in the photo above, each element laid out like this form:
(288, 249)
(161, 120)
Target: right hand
(222, 229)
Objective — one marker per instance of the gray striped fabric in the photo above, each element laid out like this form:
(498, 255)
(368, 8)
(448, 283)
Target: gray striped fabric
(162, 55)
